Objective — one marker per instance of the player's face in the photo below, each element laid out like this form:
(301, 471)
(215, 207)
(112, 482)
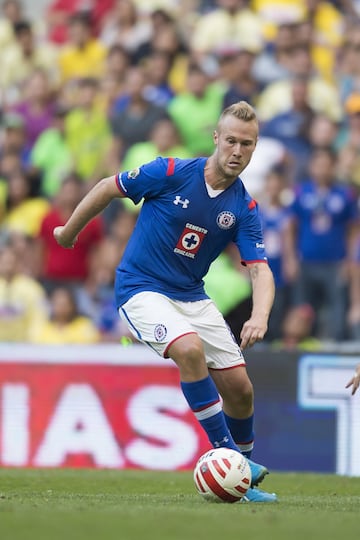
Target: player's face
(235, 141)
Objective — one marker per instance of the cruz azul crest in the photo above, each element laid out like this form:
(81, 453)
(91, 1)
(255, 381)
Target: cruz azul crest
(160, 332)
(134, 173)
(226, 220)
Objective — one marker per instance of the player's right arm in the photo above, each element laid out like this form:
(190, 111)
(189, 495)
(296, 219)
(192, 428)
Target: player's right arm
(90, 206)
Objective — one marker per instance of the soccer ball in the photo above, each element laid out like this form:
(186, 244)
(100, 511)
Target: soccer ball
(222, 475)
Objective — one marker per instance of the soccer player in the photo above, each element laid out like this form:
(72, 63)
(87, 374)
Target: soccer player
(192, 210)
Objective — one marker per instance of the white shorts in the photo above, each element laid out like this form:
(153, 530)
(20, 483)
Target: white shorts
(158, 321)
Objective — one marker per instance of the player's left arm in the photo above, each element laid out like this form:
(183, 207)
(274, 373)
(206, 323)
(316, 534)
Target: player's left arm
(263, 288)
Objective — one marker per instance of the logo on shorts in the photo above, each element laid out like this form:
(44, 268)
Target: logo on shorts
(226, 220)
(160, 332)
(134, 173)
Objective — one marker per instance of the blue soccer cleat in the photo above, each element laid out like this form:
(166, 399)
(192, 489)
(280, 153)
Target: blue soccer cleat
(258, 472)
(258, 496)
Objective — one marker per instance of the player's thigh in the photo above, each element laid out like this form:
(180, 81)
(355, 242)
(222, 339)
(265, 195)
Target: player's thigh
(221, 349)
(155, 320)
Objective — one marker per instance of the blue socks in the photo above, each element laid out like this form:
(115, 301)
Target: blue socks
(242, 430)
(203, 399)
(222, 430)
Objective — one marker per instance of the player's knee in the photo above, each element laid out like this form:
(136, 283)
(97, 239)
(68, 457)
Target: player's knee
(187, 349)
(247, 395)
(189, 357)
(192, 352)
(243, 397)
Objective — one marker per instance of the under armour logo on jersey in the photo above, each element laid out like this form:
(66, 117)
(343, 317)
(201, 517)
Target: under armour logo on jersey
(178, 200)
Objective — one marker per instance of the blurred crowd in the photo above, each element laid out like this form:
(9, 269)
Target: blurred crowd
(97, 86)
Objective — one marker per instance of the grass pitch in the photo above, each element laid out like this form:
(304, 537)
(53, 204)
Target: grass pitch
(129, 505)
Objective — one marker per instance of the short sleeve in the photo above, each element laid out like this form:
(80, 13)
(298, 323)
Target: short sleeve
(146, 181)
(249, 237)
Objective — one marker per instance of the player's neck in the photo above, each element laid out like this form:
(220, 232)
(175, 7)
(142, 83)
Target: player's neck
(215, 177)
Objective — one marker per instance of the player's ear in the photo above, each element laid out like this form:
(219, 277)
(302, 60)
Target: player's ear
(215, 136)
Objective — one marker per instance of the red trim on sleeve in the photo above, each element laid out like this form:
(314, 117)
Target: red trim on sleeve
(252, 204)
(171, 167)
(245, 263)
(116, 177)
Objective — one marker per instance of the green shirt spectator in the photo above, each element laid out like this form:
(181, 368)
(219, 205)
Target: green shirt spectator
(3, 194)
(164, 141)
(195, 111)
(147, 151)
(87, 131)
(225, 285)
(51, 154)
(88, 137)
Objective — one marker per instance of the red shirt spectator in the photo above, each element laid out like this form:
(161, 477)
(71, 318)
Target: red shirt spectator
(64, 266)
(60, 11)
(70, 264)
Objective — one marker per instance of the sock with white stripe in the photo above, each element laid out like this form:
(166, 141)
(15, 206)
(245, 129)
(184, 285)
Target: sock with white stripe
(242, 430)
(203, 399)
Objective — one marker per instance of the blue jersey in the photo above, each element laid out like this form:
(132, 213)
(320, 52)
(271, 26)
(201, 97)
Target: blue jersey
(181, 229)
(273, 222)
(323, 218)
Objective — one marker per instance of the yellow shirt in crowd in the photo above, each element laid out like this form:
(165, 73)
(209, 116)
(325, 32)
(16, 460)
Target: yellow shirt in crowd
(22, 308)
(79, 331)
(217, 29)
(27, 217)
(86, 62)
(328, 26)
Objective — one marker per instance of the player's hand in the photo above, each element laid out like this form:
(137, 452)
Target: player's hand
(252, 331)
(61, 238)
(354, 382)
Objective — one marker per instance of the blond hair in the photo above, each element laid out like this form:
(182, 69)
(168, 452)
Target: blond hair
(241, 110)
